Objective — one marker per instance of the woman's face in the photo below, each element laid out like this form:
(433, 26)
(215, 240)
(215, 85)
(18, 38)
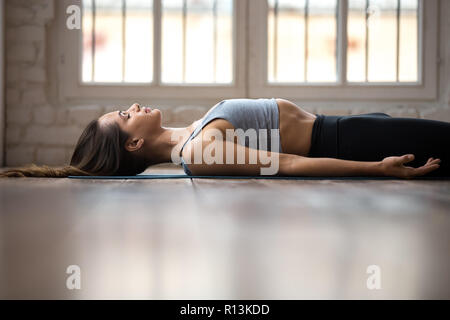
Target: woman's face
(137, 121)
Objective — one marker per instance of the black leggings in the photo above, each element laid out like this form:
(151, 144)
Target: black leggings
(374, 136)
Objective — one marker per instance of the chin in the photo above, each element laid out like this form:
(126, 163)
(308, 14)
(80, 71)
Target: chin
(158, 114)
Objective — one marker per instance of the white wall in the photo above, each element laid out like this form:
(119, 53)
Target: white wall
(41, 129)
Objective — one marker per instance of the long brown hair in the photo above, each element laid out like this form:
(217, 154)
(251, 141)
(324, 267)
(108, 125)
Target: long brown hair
(100, 151)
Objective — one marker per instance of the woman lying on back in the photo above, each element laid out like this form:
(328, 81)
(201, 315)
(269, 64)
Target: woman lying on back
(258, 136)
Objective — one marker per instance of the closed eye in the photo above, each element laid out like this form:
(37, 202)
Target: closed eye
(128, 115)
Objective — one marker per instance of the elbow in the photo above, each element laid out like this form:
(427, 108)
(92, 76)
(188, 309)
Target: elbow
(195, 170)
(286, 164)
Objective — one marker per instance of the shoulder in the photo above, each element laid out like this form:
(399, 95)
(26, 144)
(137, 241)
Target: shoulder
(214, 108)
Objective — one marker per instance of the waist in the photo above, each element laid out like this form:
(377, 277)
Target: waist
(325, 138)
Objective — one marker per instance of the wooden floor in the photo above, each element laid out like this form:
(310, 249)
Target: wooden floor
(224, 239)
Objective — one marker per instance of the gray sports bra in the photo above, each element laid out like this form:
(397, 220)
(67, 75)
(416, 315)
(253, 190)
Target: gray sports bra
(243, 114)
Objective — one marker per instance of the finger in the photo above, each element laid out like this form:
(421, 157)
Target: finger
(429, 160)
(435, 161)
(406, 158)
(430, 163)
(425, 169)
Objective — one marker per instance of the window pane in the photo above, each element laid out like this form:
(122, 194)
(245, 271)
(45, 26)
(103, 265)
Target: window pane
(302, 40)
(322, 41)
(286, 45)
(197, 40)
(382, 40)
(224, 50)
(87, 41)
(408, 63)
(119, 37)
(108, 41)
(356, 40)
(387, 49)
(172, 41)
(139, 41)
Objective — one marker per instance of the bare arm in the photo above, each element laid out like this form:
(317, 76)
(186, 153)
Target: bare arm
(390, 166)
(294, 165)
(303, 166)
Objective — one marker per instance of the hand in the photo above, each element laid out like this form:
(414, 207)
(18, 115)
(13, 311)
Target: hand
(394, 166)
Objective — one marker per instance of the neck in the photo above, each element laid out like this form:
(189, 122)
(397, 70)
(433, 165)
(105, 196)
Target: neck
(167, 141)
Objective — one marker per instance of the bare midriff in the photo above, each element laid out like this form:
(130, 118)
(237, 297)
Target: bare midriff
(295, 125)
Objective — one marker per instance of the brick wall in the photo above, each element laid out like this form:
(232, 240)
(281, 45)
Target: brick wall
(42, 131)
(26, 86)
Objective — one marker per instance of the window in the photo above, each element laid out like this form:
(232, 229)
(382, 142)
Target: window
(344, 49)
(382, 41)
(158, 49)
(214, 49)
(302, 41)
(197, 41)
(117, 41)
